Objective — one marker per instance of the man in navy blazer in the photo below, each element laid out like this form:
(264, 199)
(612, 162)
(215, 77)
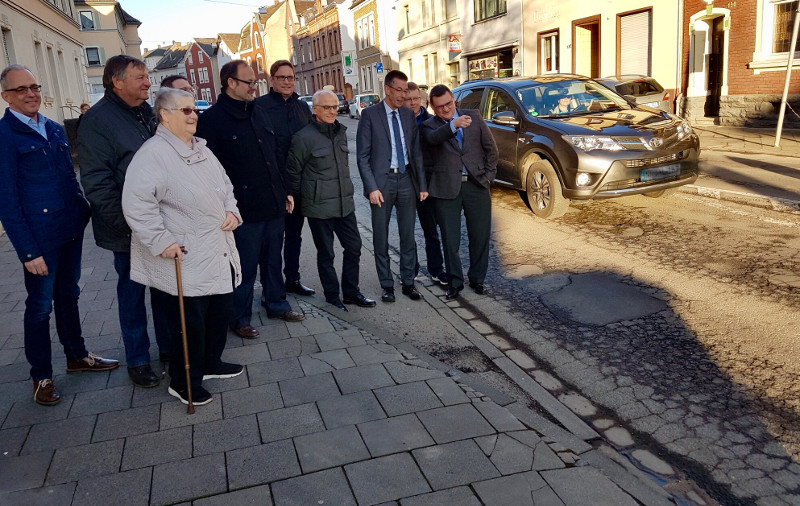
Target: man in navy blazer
(463, 164)
(390, 163)
(44, 214)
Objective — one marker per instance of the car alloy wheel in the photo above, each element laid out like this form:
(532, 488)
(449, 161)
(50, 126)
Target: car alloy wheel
(544, 190)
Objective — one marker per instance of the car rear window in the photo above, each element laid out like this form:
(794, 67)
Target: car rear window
(471, 99)
(638, 88)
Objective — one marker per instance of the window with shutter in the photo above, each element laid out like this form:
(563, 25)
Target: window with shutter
(6, 40)
(635, 43)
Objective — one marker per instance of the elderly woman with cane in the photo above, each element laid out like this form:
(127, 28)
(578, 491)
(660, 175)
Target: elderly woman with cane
(180, 206)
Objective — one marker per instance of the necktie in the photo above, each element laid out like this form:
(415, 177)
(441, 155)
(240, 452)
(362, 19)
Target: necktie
(460, 138)
(398, 143)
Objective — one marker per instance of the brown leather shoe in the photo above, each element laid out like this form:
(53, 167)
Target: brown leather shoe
(44, 392)
(290, 316)
(92, 362)
(247, 332)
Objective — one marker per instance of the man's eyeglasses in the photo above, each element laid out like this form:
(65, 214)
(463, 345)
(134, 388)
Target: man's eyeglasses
(250, 84)
(187, 110)
(399, 90)
(36, 88)
(329, 108)
(448, 105)
(283, 78)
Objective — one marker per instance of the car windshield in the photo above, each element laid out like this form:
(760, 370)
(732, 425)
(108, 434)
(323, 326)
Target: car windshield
(201, 103)
(585, 97)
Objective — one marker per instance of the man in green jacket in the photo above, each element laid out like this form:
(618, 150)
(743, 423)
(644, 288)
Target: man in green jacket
(319, 173)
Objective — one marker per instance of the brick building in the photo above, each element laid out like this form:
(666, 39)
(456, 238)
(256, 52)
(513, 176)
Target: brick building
(738, 80)
(318, 48)
(200, 70)
(251, 50)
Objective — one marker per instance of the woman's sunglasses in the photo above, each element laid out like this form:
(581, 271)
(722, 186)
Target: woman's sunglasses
(187, 110)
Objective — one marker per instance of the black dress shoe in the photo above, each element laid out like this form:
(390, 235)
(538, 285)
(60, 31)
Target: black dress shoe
(143, 376)
(478, 288)
(359, 300)
(388, 295)
(299, 288)
(412, 292)
(338, 303)
(452, 293)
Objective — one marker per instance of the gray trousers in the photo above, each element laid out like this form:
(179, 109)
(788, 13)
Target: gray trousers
(398, 193)
(477, 205)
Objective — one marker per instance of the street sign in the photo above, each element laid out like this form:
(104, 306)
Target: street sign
(379, 68)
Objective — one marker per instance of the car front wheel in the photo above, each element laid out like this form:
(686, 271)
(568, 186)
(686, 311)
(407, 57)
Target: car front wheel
(543, 190)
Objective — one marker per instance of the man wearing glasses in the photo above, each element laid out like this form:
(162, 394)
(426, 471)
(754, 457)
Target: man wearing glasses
(242, 138)
(111, 133)
(287, 115)
(390, 163)
(44, 214)
(463, 162)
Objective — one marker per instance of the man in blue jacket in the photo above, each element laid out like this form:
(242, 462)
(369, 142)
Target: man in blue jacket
(44, 214)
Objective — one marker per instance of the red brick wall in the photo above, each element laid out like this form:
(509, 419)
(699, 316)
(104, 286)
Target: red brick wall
(196, 66)
(742, 44)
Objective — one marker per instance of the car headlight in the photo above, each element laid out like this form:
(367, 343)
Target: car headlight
(592, 142)
(684, 130)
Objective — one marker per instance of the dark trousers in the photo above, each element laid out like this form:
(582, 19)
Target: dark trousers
(60, 289)
(346, 229)
(260, 246)
(398, 193)
(132, 313)
(477, 205)
(426, 212)
(292, 243)
(207, 320)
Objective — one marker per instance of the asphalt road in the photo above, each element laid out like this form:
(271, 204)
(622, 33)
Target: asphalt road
(678, 316)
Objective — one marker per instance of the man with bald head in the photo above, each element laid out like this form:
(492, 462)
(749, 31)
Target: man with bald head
(44, 213)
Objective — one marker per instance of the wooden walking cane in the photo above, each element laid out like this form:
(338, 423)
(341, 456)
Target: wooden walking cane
(190, 407)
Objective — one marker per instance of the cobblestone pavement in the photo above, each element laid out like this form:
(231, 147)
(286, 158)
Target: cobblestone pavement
(715, 395)
(326, 413)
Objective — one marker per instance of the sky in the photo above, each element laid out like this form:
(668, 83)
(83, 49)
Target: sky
(181, 20)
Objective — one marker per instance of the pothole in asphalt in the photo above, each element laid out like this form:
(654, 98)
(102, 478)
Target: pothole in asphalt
(467, 360)
(600, 299)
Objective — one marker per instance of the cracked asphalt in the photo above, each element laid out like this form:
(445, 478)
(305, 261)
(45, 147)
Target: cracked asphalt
(677, 317)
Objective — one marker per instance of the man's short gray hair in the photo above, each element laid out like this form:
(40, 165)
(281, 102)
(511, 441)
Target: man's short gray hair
(167, 98)
(4, 73)
(321, 93)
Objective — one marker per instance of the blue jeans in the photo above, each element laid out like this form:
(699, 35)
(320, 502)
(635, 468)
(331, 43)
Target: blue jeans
(132, 313)
(59, 288)
(260, 245)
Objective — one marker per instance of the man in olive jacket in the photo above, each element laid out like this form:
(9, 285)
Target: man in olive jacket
(318, 171)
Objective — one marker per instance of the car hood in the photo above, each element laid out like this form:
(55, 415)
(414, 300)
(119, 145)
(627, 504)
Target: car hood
(638, 121)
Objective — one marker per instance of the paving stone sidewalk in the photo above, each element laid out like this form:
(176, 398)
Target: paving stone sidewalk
(325, 413)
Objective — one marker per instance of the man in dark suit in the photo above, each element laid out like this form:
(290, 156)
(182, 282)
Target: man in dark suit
(390, 164)
(463, 165)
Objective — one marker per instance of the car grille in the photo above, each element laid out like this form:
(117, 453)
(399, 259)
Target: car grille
(649, 162)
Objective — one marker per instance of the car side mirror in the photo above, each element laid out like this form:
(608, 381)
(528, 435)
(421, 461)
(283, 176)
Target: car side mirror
(505, 118)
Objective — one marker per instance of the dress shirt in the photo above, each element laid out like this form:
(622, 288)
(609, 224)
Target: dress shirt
(389, 111)
(38, 125)
(458, 131)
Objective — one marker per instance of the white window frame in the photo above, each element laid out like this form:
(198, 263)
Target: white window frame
(763, 57)
(371, 19)
(192, 78)
(189, 58)
(554, 52)
(91, 15)
(99, 56)
(200, 57)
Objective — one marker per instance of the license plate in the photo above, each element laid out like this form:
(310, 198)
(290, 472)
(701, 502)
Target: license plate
(662, 172)
(652, 104)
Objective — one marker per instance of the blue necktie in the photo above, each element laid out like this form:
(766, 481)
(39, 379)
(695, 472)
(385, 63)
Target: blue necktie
(398, 143)
(460, 138)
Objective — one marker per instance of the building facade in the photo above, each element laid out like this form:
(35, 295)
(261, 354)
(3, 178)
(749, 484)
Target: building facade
(376, 42)
(251, 50)
(318, 37)
(199, 68)
(106, 30)
(738, 80)
(44, 36)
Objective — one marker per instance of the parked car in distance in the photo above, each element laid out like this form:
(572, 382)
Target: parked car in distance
(344, 105)
(201, 105)
(564, 137)
(361, 102)
(644, 89)
(306, 99)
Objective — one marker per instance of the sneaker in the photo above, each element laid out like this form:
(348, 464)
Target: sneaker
(200, 396)
(225, 370)
(442, 279)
